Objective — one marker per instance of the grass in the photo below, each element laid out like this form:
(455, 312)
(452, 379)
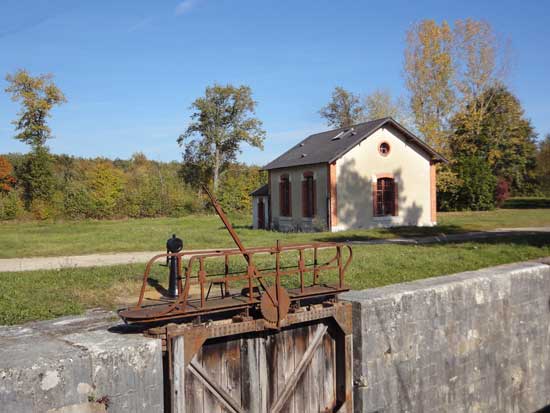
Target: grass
(27, 239)
(41, 295)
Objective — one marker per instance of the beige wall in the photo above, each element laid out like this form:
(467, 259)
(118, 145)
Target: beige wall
(357, 170)
(297, 222)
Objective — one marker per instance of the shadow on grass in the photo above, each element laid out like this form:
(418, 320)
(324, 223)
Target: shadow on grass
(520, 238)
(393, 232)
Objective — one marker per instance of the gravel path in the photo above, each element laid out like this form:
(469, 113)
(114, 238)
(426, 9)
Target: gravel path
(98, 260)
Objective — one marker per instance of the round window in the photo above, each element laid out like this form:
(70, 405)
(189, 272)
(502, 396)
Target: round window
(384, 149)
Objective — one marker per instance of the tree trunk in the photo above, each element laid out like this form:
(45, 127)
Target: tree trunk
(216, 168)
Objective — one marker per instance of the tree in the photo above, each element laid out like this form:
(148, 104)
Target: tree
(7, 180)
(429, 79)
(223, 119)
(380, 104)
(504, 138)
(543, 165)
(480, 63)
(37, 95)
(343, 110)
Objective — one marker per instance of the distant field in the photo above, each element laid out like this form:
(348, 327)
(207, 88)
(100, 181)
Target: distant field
(24, 239)
(41, 295)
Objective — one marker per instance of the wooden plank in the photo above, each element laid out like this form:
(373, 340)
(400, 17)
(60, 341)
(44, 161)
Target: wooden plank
(271, 356)
(194, 391)
(288, 365)
(317, 368)
(178, 378)
(263, 373)
(291, 383)
(329, 382)
(212, 356)
(301, 338)
(231, 370)
(221, 395)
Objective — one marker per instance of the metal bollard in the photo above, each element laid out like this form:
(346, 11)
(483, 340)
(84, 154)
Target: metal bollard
(173, 245)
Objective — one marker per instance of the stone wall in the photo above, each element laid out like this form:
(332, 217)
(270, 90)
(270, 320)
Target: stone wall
(75, 364)
(472, 342)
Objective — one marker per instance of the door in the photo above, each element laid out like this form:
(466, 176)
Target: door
(261, 214)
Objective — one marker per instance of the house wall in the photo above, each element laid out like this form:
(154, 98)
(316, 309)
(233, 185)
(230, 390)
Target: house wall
(356, 171)
(296, 221)
(255, 201)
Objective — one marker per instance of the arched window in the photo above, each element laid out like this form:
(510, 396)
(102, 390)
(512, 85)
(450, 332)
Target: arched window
(285, 201)
(308, 195)
(385, 197)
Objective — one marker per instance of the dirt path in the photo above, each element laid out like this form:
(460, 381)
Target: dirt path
(98, 260)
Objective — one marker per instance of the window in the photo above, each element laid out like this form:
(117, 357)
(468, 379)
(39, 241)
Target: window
(285, 201)
(308, 195)
(385, 197)
(384, 149)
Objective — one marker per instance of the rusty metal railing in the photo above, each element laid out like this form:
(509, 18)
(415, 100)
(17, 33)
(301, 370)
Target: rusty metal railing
(196, 273)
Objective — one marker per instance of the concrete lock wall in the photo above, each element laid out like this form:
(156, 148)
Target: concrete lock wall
(75, 364)
(472, 342)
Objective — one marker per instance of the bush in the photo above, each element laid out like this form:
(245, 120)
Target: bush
(527, 203)
(478, 184)
(502, 192)
(11, 206)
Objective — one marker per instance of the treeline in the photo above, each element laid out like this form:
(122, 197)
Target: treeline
(100, 188)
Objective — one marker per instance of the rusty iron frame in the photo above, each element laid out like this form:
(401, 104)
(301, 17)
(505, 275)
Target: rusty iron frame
(184, 306)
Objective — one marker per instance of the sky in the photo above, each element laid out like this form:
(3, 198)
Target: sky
(131, 69)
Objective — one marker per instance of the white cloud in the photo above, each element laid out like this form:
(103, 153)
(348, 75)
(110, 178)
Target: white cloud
(185, 6)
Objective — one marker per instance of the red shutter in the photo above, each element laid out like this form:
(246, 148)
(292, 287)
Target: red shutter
(305, 206)
(395, 199)
(281, 198)
(314, 197)
(289, 199)
(374, 203)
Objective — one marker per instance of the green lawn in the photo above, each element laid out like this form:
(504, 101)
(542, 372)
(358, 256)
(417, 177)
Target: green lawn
(23, 239)
(47, 294)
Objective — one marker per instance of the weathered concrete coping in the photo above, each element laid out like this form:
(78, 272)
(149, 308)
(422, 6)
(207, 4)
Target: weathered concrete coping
(476, 341)
(76, 364)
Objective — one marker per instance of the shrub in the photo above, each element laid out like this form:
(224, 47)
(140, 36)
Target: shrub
(502, 191)
(11, 206)
(477, 191)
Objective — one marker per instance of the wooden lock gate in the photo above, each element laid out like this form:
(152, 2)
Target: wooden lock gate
(244, 365)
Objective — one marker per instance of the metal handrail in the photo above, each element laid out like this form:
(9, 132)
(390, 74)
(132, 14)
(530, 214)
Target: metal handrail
(251, 273)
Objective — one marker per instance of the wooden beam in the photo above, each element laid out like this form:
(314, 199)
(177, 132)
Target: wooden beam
(223, 397)
(290, 385)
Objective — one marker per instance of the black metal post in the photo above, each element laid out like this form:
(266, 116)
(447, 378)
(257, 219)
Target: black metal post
(173, 245)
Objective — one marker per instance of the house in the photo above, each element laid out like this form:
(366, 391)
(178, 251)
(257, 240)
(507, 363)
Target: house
(374, 174)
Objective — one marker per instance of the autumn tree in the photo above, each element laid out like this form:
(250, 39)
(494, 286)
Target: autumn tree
(543, 164)
(343, 110)
(504, 137)
(37, 96)
(223, 119)
(380, 104)
(429, 78)
(480, 60)
(7, 180)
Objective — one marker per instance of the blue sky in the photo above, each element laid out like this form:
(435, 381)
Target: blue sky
(130, 69)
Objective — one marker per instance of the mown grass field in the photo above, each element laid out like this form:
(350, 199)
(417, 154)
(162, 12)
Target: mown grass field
(47, 294)
(27, 239)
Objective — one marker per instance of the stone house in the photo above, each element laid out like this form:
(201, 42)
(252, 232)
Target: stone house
(374, 174)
